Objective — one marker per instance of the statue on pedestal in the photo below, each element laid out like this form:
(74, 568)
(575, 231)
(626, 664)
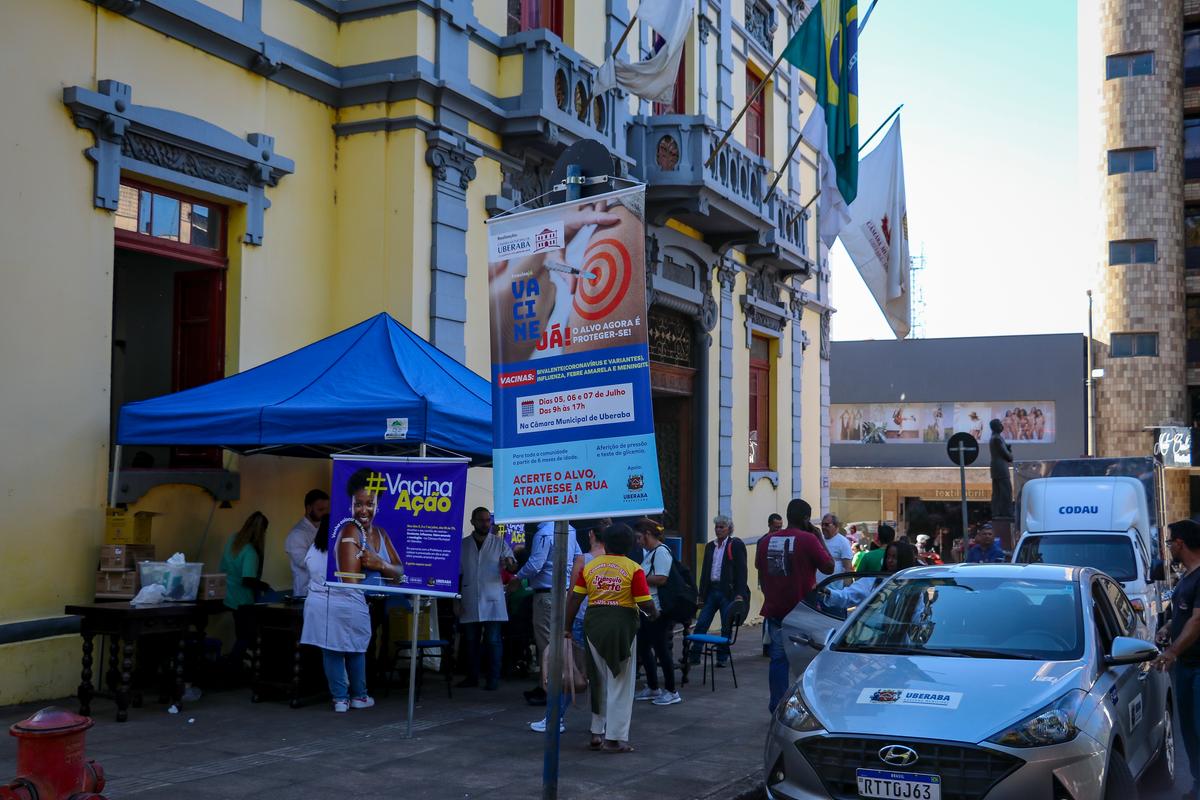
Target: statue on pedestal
(1002, 457)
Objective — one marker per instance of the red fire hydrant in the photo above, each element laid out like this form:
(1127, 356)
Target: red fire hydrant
(51, 764)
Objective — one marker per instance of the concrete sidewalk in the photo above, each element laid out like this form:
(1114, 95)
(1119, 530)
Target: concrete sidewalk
(476, 745)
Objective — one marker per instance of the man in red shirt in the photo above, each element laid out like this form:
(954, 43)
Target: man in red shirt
(787, 562)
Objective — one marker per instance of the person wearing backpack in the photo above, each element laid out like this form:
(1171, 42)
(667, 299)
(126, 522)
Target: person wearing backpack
(722, 581)
(654, 638)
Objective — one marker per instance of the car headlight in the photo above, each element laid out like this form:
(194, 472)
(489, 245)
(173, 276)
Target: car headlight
(1053, 724)
(793, 712)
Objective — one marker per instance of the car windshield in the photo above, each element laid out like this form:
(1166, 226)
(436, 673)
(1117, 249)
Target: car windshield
(1111, 554)
(971, 617)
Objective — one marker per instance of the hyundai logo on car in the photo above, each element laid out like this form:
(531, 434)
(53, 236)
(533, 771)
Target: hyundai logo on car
(898, 755)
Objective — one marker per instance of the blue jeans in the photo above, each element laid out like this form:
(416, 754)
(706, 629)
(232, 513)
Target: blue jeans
(1187, 696)
(777, 674)
(337, 664)
(716, 601)
(490, 631)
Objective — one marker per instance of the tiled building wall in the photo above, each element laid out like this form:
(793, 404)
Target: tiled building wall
(1143, 111)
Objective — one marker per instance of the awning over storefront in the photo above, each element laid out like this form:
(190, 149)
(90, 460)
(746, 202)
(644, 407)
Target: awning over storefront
(374, 388)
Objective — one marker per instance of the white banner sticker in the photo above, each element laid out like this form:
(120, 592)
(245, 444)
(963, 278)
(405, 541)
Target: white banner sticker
(910, 697)
(509, 244)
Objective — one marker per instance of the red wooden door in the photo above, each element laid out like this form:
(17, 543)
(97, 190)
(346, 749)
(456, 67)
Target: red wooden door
(198, 348)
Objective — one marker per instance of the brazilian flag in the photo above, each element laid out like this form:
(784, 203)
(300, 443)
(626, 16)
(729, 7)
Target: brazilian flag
(826, 47)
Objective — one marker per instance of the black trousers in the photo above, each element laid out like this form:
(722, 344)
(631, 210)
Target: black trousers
(654, 651)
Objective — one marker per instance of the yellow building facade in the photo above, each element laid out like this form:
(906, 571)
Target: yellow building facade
(195, 187)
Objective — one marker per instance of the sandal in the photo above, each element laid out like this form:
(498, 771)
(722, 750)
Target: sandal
(597, 742)
(616, 747)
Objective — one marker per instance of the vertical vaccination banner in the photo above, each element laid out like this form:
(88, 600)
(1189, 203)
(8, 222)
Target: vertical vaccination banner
(571, 409)
(395, 525)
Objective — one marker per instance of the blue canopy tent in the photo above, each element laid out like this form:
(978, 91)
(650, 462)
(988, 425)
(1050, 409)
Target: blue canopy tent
(376, 388)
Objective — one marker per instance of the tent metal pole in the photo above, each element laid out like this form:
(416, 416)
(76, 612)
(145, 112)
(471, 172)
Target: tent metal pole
(413, 655)
(116, 474)
(413, 652)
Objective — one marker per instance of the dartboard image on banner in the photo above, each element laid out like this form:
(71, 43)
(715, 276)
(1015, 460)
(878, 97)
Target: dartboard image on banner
(609, 272)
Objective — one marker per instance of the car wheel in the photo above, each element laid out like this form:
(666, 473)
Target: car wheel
(1120, 784)
(1161, 774)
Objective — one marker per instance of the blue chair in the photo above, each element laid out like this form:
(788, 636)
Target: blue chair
(722, 644)
(442, 648)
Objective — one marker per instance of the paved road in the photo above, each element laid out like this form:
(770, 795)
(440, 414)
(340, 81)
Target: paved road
(476, 745)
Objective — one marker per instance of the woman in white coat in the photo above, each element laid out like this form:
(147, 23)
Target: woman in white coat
(482, 609)
(336, 620)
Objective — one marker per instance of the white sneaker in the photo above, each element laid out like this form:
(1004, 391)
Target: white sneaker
(540, 726)
(668, 699)
(648, 694)
(341, 706)
(362, 702)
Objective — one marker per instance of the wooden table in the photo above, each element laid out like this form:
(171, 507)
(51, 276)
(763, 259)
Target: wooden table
(286, 620)
(124, 625)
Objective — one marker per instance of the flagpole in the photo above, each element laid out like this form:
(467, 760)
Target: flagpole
(867, 16)
(625, 35)
(877, 130)
(860, 149)
(787, 162)
(757, 91)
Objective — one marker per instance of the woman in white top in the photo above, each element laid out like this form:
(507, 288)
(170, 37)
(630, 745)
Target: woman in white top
(336, 620)
(654, 637)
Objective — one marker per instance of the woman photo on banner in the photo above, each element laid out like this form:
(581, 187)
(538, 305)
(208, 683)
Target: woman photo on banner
(365, 553)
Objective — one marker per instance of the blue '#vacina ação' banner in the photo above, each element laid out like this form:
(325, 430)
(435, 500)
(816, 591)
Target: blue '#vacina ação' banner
(395, 524)
(573, 424)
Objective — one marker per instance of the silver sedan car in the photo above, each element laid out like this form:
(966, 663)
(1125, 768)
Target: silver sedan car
(970, 681)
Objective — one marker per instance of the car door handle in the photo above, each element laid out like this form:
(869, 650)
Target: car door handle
(801, 640)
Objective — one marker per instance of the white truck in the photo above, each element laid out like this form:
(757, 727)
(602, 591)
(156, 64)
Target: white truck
(1105, 513)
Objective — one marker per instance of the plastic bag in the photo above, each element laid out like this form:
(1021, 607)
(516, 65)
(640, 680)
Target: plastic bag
(574, 671)
(177, 560)
(150, 595)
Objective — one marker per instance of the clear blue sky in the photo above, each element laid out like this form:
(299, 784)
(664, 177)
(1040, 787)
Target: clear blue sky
(990, 150)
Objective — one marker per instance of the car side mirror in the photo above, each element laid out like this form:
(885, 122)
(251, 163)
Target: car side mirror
(1127, 650)
(1158, 570)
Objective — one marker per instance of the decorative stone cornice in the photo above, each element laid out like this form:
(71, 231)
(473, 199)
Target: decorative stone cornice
(452, 157)
(726, 274)
(174, 148)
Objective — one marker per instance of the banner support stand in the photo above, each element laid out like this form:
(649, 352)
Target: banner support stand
(413, 651)
(554, 697)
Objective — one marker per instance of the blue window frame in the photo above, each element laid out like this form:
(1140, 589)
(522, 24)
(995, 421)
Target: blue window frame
(1132, 251)
(1139, 159)
(1125, 65)
(1130, 345)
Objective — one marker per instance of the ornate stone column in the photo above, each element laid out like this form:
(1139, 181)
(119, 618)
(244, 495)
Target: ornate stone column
(726, 275)
(452, 159)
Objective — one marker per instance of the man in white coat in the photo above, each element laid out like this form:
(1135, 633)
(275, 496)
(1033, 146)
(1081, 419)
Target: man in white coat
(316, 505)
(482, 608)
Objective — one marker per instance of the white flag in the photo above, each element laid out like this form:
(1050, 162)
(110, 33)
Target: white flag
(876, 237)
(654, 78)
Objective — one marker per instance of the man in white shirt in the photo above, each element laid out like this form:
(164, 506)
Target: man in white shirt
(482, 609)
(837, 545)
(316, 505)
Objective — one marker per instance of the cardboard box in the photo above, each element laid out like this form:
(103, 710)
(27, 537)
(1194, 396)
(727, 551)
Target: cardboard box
(122, 557)
(116, 584)
(123, 527)
(212, 586)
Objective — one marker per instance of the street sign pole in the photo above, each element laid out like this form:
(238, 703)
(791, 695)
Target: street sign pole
(963, 449)
(558, 613)
(962, 482)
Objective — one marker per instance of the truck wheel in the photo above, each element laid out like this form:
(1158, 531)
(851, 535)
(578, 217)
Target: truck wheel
(1161, 773)
(1120, 784)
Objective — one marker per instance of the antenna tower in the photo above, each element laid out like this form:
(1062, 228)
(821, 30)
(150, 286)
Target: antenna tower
(916, 284)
